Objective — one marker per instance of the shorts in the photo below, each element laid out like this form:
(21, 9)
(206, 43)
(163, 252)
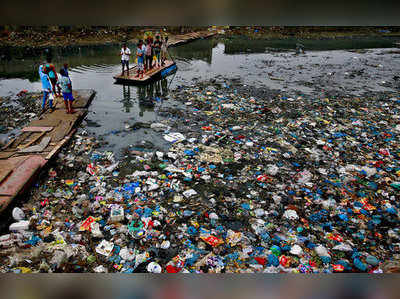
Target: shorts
(125, 62)
(68, 96)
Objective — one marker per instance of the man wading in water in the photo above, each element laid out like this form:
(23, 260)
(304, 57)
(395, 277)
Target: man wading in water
(125, 53)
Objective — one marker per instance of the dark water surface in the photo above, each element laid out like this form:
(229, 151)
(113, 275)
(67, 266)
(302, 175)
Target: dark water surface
(342, 67)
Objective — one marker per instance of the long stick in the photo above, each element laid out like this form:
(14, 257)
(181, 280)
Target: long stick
(170, 54)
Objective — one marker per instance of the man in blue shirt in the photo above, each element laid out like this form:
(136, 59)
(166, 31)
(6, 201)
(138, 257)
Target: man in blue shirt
(46, 87)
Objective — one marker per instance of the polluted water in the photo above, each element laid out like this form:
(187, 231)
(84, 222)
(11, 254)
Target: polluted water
(243, 178)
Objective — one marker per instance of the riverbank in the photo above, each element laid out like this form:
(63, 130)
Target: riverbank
(310, 32)
(33, 41)
(19, 48)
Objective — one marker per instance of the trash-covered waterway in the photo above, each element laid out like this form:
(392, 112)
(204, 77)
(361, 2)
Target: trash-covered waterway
(253, 159)
(328, 68)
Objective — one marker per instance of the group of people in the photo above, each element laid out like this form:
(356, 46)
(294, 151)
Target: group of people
(55, 86)
(146, 52)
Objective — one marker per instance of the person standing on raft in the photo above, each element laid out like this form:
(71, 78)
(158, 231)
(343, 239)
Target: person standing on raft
(140, 52)
(125, 53)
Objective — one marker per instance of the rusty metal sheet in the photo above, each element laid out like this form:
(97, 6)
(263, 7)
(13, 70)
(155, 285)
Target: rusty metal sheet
(18, 178)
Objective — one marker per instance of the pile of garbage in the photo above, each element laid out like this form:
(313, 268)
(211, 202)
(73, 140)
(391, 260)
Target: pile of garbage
(299, 185)
(17, 111)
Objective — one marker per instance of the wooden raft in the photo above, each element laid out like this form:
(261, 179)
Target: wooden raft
(152, 74)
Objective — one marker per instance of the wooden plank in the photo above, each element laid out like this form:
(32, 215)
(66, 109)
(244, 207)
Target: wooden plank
(8, 144)
(4, 201)
(37, 129)
(81, 101)
(5, 170)
(61, 131)
(15, 182)
(32, 141)
(46, 121)
(37, 148)
(6, 155)
(59, 145)
(21, 138)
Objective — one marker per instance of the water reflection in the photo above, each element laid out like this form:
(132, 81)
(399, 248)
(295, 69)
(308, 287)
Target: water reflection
(126, 98)
(154, 93)
(199, 50)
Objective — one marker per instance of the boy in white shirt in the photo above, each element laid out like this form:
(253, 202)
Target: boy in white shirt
(125, 53)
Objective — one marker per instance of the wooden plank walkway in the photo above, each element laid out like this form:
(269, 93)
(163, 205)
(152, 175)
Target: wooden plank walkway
(176, 40)
(23, 157)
